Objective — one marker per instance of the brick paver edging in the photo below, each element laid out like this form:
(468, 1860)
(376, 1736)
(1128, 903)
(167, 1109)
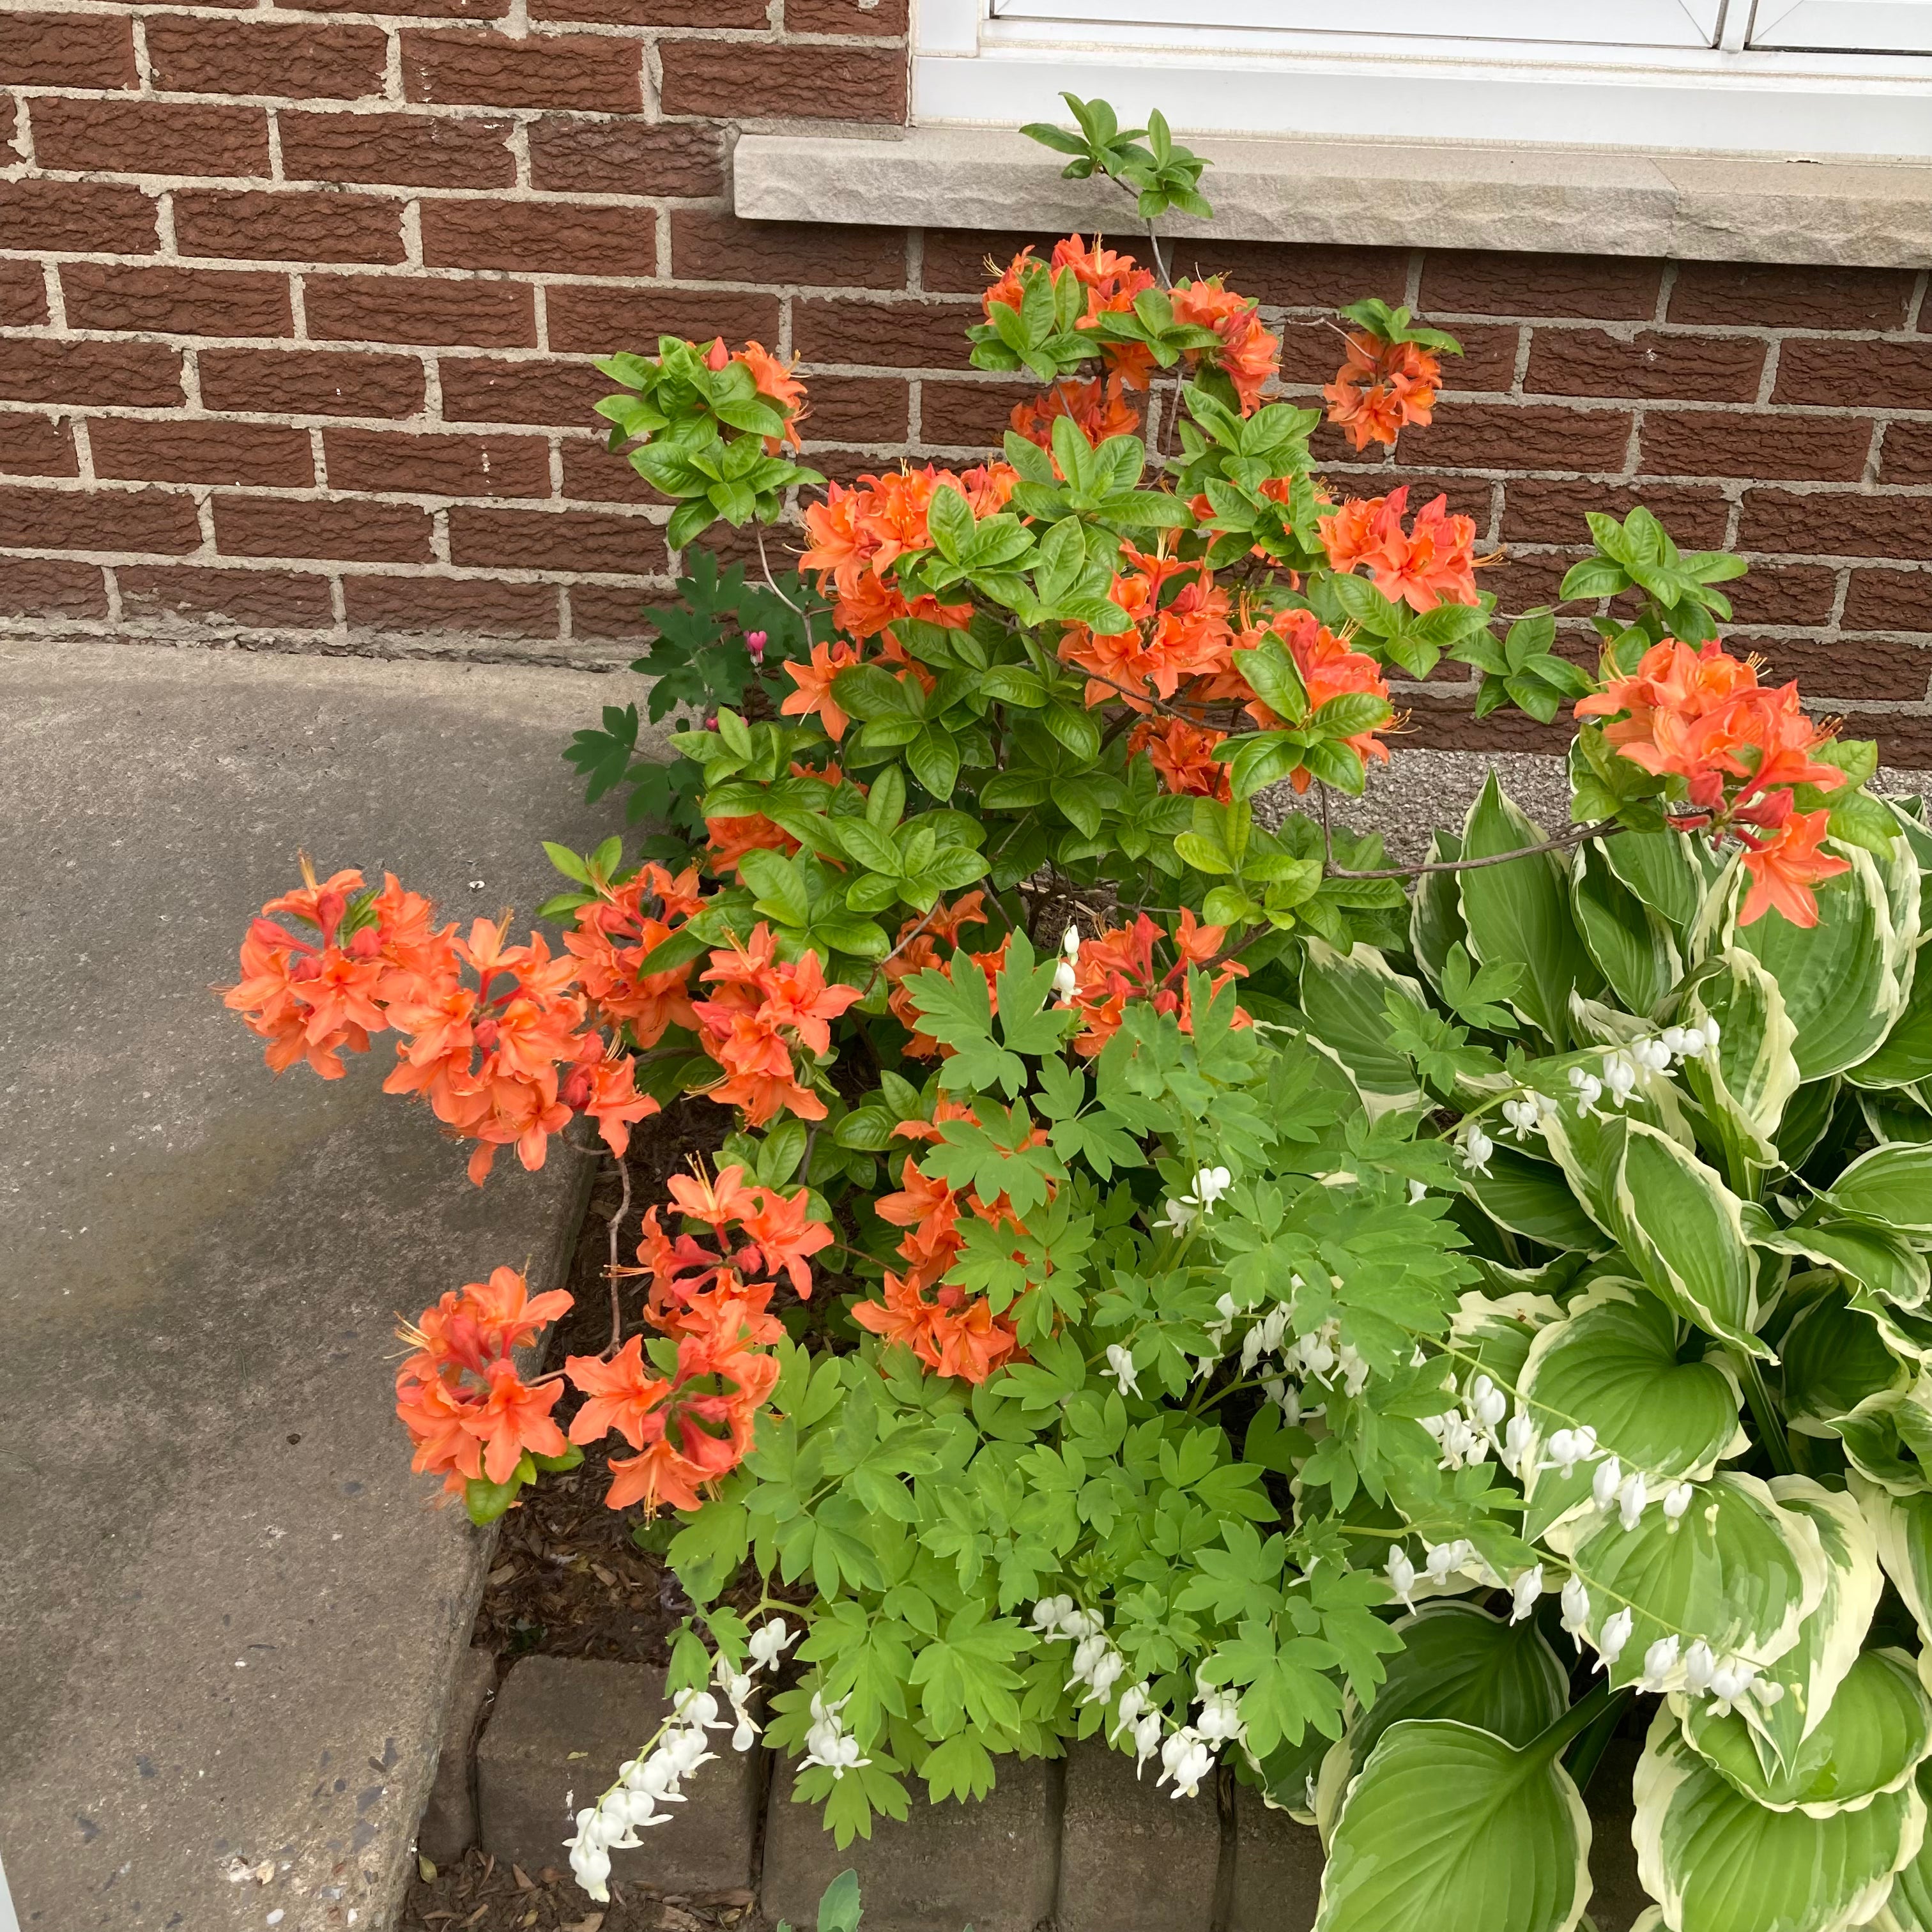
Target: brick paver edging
(1078, 1843)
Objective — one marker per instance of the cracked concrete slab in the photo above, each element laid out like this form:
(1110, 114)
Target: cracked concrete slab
(232, 1614)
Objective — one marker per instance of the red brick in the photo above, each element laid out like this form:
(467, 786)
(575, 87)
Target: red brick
(653, 12)
(94, 218)
(625, 157)
(1754, 295)
(1517, 436)
(48, 586)
(437, 465)
(1901, 741)
(885, 19)
(477, 606)
(742, 80)
(1522, 579)
(1542, 510)
(1611, 287)
(1311, 352)
(592, 474)
(286, 225)
(1906, 455)
(141, 450)
(137, 375)
(1836, 523)
(968, 415)
(610, 610)
(894, 335)
(36, 445)
(351, 528)
(175, 301)
(1842, 667)
(708, 245)
(1889, 600)
(1439, 721)
(556, 238)
(1784, 593)
(402, 308)
(189, 54)
(261, 599)
(856, 409)
(305, 382)
(1649, 364)
(954, 261)
(494, 70)
(1856, 374)
(150, 137)
(66, 50)
(23, 295)
(420, 9)
(476, 389)
(555, 540)
(1695, 442)
(598, 320)
(410, 150)
(1285, 275)
(103, 520)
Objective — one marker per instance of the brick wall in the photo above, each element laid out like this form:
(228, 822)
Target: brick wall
(297, 306)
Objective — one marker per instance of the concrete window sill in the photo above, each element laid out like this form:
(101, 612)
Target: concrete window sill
(1374, 194)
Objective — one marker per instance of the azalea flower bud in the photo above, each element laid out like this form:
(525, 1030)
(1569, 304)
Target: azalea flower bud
(1402, 1576)
(1605, 1483)
(1612, 1638)
(1069, 942)
(1630, 1500)
(1065, 979)
(1699, 1666)
(1120, 1367)
(1659, 1661)
(1677, 1499)
(1524, 1591)
(1576, 1608)
(1477, 1149)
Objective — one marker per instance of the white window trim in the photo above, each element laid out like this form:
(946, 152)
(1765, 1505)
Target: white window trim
(970, 68)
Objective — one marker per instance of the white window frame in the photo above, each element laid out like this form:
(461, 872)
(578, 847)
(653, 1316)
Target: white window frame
(972, 67)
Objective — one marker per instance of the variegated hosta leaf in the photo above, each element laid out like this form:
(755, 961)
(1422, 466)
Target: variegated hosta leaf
(1874, 1257)
(1871, 1739)
(1634, 948)
(1890, 1185)
(1909, 1907)
(1834, 1361)
(1842, 979)
(1493, 1333)
(1899, 1113)
(1829, 1639)
(1717, 1861)
(1905, 1055)
(1435, 911)
(1450, 1829)
(1343, 997)
(1683, 1230)
(1807, 1119)
(1657, 867)
(1737, 1570)
(1889, 1440)
(1902, 1528)
(1907, 1332)
(1612, 1364)
(1532, 1198)
(1744, 1085)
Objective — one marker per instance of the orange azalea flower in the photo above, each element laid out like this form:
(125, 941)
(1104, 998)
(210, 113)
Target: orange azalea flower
(1111, 281)
(1097, 411)
(784, 1236)
(513, 1417)
(1183, 754)
(1785, 867)
(1432, 563)
(714, 1203)
(945, 921)
(776, 383)
(623, 1392)
(1381, 388)
(1249, 355)
(435, 1415)
(813, 698)
(1328, 668)
(660, 1476)
(731, 838)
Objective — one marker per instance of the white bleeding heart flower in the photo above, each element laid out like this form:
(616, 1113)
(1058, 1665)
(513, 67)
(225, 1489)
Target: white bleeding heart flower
(1402, 1576)
(1612, 1637)
(1524, 1591)
(1605, 1483)
(1659, 1661)
(1631, 1499)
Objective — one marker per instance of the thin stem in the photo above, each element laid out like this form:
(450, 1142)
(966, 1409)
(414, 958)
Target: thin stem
(1777, 1444)
(1587, 1752)
(1578, 1719)
(1159, 260)
(617, 1220)
(1577, 835)
(764, 563)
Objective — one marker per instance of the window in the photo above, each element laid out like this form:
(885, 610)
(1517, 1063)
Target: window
(1813, 78)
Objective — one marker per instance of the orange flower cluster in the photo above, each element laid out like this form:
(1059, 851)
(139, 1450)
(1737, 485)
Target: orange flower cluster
(1249, 355)
(916, 950)
(954, 1333)
(1432, 562)
(1119, 966)
(1181, 632)
(776, 383)
(1097, 409)
(764, 1009)
(1111, 281)
(613, 935)
(1701, 715)
(1183, 754)
(459, 1395)
(1382, 388)
(506, 1061)
(858, 534)
(695, 1423)
(1328, 668)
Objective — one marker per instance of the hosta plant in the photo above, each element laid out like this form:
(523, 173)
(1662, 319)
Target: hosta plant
(1370, 1331)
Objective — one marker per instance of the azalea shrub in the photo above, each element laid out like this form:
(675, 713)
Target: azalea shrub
(1173, 1275)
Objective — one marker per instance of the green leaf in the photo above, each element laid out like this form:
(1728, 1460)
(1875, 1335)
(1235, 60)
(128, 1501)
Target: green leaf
(839, 1909)
(1891, 1185)
(1449, 1829)
(1634, 947)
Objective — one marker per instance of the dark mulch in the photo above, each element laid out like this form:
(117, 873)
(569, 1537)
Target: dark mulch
(481, 1894)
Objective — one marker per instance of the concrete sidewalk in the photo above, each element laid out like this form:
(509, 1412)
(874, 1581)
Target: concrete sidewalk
(230, 1613)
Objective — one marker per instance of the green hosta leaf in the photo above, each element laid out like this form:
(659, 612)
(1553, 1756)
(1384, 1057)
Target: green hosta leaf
(1905, 1055)
(1436, 910)
(1909, 1907)
(1459, 1662)
(1634, 948)
(1834, 1360)
(1519, 912)
(1870, 1739)
(1612, 1362)
(1744, 1087)
(1737, 1570)
(1531, 1197)
(1449, 1829)
(1902, 1527)
(1890, 1185)
(1719, 1862)
(1657, 867)
(1344, 996)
